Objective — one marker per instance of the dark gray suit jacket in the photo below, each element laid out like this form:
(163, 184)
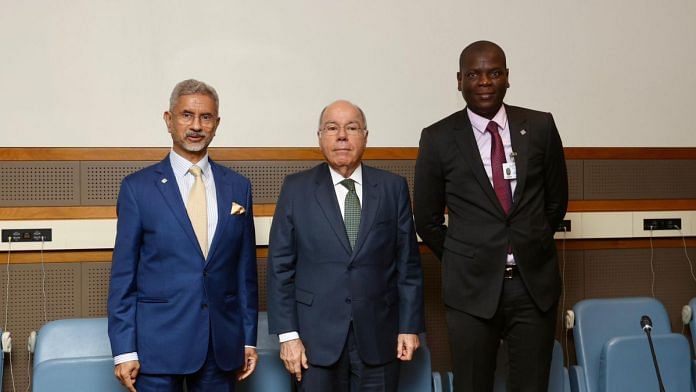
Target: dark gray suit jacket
(473, 245)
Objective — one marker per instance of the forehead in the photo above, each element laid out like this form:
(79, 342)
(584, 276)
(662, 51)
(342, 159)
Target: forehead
(483, 58)
(341, 113)
(195, 102)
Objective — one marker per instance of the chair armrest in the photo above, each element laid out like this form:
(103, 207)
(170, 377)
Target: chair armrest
(577, 379)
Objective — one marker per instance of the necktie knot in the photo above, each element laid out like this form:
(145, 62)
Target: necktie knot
(349, 184)
(195, 171)
(492, 128)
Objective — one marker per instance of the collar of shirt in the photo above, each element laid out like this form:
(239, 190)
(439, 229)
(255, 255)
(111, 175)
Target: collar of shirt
(181, 165)
(480, 123)
(337, 178)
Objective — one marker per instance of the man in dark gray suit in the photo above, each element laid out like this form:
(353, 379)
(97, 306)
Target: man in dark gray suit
(499, 171)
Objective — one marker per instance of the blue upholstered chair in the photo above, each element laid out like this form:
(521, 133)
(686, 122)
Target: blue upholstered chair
(613, 352)
(74, 355)
(416, 375)
(270, 373)
(692, 327)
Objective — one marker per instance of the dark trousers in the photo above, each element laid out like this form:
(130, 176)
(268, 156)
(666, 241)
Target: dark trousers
(527, 331)
(209, 378)
(351, 374)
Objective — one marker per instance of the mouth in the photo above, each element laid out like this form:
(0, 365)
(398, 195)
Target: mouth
(195, 138)
(486, 96)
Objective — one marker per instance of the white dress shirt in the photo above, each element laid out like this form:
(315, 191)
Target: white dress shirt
(483, 140)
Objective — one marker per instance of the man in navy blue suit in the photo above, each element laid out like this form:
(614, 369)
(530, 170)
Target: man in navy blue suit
(183, 295)
(344, 275)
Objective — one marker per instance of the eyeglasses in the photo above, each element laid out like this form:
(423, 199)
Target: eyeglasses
(333, 129)
(187, 118)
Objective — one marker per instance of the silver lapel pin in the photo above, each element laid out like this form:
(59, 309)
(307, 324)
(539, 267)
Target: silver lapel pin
(523, 132)
(164, 181)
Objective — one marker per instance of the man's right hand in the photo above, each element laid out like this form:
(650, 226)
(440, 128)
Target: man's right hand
(126, 373)
(293, 355)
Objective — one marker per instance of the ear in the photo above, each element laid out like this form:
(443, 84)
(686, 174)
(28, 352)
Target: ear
(459, 81)
(507, 76)
(168, 120)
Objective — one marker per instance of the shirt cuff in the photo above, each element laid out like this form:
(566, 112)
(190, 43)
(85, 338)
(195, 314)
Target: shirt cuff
(246, 346)
(125, 358)
(288, 336)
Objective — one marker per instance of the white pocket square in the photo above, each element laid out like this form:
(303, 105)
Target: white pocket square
(237, 209)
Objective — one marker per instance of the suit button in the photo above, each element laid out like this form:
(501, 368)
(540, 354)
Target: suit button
(205, 273)
(204, 306)
(348, 300)
(350, 268)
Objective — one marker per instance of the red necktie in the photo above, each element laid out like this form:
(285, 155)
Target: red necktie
(500, 184)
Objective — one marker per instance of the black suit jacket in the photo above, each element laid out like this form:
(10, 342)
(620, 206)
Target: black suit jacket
(473, 245)
(317, 285)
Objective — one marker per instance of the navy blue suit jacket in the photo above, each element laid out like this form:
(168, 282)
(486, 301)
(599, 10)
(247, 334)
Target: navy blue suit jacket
(317, 285)
(165, 299)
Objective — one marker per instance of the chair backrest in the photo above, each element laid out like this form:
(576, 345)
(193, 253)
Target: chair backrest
(270, 373)
(416, 374)
(74, 355)
(598, 320)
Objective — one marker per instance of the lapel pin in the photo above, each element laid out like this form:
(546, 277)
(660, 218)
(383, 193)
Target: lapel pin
(523, 132)
(164, 181)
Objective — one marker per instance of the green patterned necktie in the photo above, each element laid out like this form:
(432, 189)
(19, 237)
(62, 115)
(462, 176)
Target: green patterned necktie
(352, 212)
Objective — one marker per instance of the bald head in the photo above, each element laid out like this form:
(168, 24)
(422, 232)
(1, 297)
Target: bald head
(481, 47)
(343, 103)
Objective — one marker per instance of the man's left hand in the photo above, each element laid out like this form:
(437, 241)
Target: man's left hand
(406, 345)
(251, 358)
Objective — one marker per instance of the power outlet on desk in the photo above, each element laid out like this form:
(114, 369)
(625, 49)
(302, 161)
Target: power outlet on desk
(564, 226)
(662, 224)
(27, 235)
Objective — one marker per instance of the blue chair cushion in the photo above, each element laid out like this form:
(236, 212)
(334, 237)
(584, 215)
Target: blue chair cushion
(626, 363)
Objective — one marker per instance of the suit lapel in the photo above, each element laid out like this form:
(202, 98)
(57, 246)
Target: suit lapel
(326, 198)
(223, 191)
(369, 208)
(464, 137)
(519, 137)
(166, 183)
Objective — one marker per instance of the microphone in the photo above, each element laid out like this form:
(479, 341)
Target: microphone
(646, 325)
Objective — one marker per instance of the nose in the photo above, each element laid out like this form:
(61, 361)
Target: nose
(196, 124)
(484, 79)
(342, 134)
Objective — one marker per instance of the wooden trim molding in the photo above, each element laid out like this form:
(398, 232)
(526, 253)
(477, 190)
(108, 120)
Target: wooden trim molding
(302, 153)
(85, 256)
(631, 205)
(264, 210)
(218, 153)
(91, 212)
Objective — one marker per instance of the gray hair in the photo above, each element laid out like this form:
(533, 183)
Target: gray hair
(362, 114)
(192, 86)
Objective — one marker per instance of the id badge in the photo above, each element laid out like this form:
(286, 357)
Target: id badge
(509, 171)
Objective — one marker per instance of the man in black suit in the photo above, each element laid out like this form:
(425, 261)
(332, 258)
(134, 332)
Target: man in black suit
(500, 172)
(344, 277)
